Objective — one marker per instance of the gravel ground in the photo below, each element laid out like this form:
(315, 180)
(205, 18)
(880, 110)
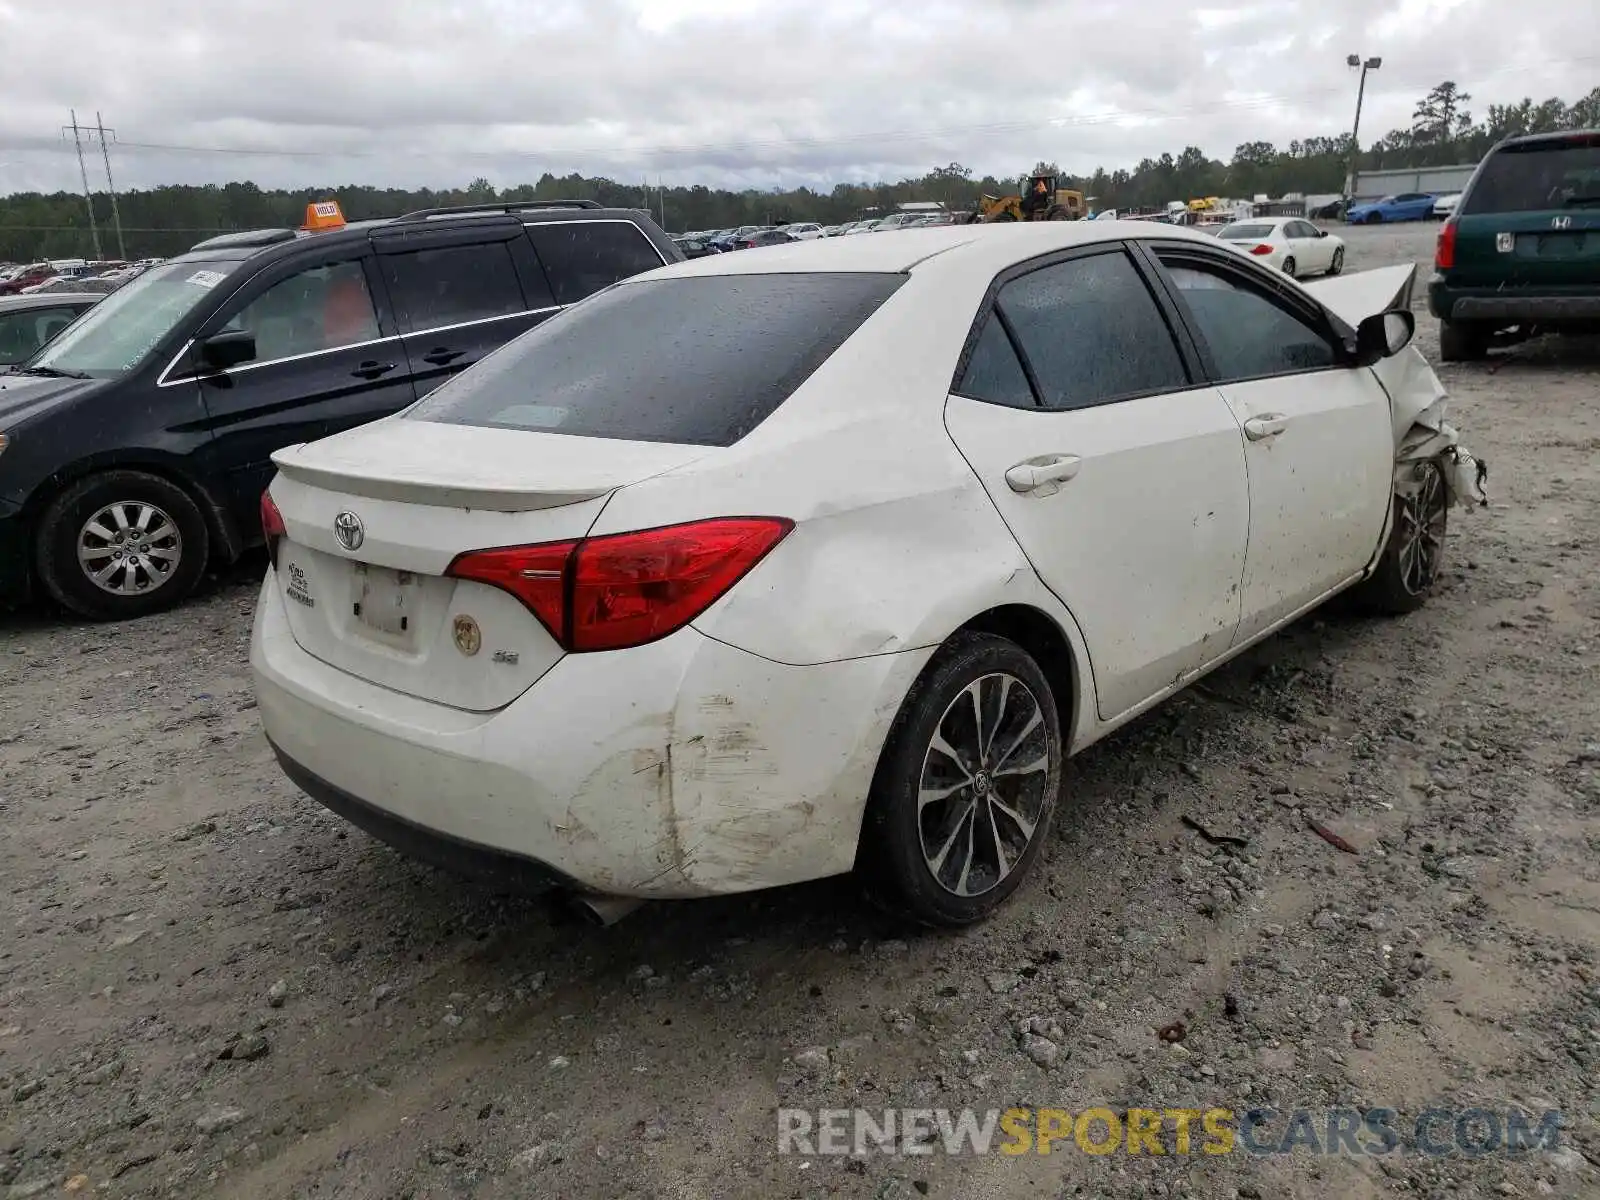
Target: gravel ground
(212, 987)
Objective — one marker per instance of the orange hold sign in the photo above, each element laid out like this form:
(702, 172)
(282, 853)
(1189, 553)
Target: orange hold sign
(322, 216)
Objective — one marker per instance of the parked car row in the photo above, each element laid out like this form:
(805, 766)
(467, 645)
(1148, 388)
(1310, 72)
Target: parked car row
(748, 237)
(70, 275)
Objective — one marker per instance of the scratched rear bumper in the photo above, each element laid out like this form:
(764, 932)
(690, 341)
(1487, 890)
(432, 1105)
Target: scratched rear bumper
(682, 768)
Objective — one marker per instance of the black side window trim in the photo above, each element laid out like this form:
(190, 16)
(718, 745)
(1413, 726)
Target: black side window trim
(1188, 349)
(1250, 278)
(980, 326)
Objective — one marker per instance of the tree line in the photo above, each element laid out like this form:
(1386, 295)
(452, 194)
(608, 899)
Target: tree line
(168, 220)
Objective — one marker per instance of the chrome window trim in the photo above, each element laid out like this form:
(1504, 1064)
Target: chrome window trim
(163, 381)
(526, 312)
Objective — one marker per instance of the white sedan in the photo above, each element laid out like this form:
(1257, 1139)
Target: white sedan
(760, 568)
(1293, 245)
(1445, 206)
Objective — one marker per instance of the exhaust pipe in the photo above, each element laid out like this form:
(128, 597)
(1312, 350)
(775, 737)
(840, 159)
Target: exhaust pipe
(606, 910)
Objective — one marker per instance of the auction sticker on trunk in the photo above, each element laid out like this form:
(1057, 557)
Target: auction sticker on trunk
(297, 589)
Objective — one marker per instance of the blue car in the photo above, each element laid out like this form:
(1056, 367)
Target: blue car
(1408, 206)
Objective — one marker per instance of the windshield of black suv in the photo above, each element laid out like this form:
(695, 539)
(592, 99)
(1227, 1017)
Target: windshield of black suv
(1538, 177)
(114, 336)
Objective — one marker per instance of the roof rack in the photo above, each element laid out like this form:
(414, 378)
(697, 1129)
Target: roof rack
(246, 238)
(502, 206)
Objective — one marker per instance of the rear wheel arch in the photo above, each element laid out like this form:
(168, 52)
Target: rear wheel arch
(227, 540)
(1047, 645)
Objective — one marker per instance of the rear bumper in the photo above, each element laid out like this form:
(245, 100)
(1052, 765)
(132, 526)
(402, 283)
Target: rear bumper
(1511, 306)
(682, 768)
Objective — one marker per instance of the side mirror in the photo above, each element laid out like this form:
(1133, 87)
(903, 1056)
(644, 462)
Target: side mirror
(1383, 335)
(228, 349)
(1322, 233)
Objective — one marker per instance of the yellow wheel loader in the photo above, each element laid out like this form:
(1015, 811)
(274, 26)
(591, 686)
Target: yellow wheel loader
(1043, 203)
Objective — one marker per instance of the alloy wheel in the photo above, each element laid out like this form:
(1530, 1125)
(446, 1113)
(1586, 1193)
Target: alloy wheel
(983, 790)
(129, 547)
(1420, 531)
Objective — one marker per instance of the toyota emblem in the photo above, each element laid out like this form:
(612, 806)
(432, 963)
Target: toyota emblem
(347, 527)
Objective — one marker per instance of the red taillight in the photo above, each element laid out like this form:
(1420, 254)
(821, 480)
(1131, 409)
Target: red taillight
(626, 589)
(272, 526)
(1444, 250)
(536, 575)
(1263, 248)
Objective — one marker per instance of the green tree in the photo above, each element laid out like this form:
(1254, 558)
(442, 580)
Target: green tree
(1441, 116)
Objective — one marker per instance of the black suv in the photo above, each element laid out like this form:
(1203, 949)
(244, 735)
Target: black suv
(134, 448)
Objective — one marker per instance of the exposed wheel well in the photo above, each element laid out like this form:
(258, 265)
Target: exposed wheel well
(227, 543)
(1042, 638)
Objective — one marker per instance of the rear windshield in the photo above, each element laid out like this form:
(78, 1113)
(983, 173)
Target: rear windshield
(1538, 176)
(696, 360)
(1242, 232)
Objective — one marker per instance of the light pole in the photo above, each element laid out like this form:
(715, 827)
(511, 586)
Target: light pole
(1370, 64)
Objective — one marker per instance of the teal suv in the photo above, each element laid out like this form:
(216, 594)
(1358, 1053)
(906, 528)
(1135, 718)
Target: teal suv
(1521, 255)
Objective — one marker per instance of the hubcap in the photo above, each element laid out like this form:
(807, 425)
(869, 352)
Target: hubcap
(1420, 530)
(129, 548)
(984, 786)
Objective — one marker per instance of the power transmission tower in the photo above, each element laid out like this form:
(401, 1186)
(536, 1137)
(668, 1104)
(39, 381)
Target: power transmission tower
(105, 150)
(88, 198)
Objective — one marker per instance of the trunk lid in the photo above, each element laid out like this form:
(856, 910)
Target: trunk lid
(420, 494)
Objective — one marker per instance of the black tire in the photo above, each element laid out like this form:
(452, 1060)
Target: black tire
(896, 863)
(1337, 265)
(1401, 583)
(169, 564)
(1289, 266)
(1461, 342)
(1374, 219)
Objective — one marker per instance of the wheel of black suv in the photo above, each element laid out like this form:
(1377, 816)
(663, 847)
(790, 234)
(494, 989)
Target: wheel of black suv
(1461, 342)
(1290, 266)
(966, 787)
(121, 544)
(1413, 556)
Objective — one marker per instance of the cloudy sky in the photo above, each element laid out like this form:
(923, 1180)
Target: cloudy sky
(435, 92)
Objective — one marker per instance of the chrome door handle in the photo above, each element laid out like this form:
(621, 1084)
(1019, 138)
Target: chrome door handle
(1034, 474)
(1262, 427)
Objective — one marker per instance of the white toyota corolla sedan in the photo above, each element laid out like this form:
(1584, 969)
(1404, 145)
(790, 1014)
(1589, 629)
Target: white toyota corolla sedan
(765, 567)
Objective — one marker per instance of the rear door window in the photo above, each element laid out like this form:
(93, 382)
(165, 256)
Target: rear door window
(695, 360)
(582, 257)
(1537, 177)
(452, 285)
